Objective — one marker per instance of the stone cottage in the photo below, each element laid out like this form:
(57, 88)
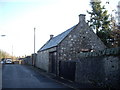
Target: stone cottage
(67, 45)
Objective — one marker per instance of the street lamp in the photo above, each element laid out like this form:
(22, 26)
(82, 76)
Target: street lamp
(1, 66)
(1, 51)
(2, 35)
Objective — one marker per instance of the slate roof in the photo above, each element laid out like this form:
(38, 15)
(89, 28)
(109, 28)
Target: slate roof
(56, 40)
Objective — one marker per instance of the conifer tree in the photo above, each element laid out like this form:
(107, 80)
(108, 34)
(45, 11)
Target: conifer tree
(99, 20)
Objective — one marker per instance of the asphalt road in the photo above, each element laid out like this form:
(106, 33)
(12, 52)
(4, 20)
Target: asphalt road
(19, 76)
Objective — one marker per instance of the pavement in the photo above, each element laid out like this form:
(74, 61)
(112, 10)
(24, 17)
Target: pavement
(15, 76)
(29, 76)
(71, 84)
(0, 76)
(68, 83)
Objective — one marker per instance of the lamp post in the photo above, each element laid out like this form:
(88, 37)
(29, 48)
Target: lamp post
(3, 35)
(1, 51)
(1, 66)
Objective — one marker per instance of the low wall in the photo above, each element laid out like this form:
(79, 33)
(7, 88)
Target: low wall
(100, 68)
(28, 60)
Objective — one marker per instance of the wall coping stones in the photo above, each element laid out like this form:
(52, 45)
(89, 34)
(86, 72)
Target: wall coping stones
(105, 52)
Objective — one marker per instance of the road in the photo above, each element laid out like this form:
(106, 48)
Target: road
(20, 76)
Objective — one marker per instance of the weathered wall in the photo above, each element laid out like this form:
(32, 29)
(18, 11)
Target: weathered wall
(112, 71)
(82, 37)
(102, 70)
(89, 69)
(28, 60)
(42, 60)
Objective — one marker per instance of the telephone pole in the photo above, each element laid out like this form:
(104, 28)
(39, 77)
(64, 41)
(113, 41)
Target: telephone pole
(12, 53)
(34, 49)
(34, 40)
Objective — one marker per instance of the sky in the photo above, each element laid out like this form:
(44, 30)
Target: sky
(18, 18)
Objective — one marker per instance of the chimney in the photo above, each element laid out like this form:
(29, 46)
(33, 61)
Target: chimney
(82, 18)
(51, 36)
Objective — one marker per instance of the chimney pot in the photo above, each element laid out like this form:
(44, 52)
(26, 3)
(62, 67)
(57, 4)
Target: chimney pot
(82, 17)
(51, 36)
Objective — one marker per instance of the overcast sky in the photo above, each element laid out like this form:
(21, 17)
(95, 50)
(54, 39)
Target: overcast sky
(19, 17)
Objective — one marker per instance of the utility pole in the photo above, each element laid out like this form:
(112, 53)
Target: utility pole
(12, 53)
(34, 49)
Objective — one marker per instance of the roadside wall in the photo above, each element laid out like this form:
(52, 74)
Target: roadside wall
(28, 60)
(42, 60)
(100, 68)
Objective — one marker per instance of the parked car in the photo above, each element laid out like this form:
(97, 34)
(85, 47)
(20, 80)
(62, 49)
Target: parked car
(8, 61)
(2, 62)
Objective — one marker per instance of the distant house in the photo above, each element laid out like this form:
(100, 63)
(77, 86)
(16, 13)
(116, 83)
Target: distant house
(20, 58)
(66, 45)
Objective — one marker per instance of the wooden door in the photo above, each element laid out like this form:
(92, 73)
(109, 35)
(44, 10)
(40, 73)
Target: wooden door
(53, 62)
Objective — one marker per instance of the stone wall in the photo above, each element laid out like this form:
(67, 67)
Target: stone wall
(82, 37)
(28, 60)
(105, 52)
(42, 60)
(102, 70)
(112, 71)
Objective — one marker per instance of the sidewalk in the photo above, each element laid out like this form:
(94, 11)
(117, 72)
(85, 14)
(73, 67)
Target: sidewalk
(0, 76)
(67, 83)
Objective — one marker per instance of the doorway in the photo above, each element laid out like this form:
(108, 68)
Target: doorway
(53, 62)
